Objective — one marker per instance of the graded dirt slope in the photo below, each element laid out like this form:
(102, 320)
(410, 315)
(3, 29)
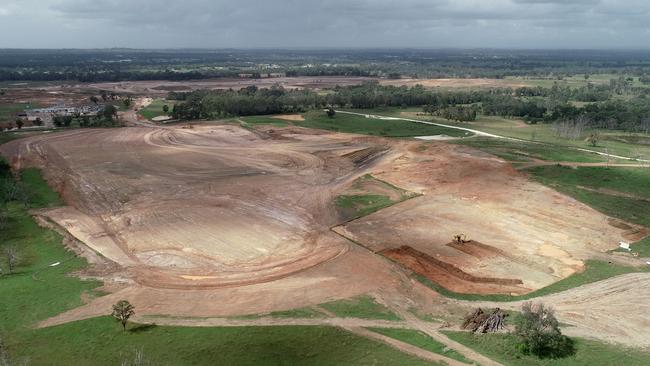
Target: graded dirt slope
(218, 220)
(536, 235)
(203, 207)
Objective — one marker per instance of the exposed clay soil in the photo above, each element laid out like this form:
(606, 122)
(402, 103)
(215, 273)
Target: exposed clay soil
(208, 207)
(218, 220)
(546, 235)
(450, 276)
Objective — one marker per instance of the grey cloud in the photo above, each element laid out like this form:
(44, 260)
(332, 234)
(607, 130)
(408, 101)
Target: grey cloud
(332, 23)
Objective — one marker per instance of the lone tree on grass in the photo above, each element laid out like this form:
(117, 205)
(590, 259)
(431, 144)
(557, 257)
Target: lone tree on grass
(331, 112)
(19, 123)
(122, 311)
(539, 332)
(165, 108)
(593, 138)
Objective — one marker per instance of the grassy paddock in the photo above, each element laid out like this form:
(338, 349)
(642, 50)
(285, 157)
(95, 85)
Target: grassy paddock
(360, 307)
(420, 340)
(528, 151)
(8, 111)
(154, 109)
(622, 193)
(100, 341)
(540, 132)
(363, 204)
(370, 126)
(501, 348)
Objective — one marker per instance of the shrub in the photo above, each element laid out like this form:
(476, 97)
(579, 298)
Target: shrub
(539, 333)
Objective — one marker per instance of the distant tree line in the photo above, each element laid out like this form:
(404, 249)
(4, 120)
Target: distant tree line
(535, 105)
(125, 64)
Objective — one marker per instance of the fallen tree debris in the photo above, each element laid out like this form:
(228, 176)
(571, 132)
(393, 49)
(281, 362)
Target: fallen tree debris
(484, 322)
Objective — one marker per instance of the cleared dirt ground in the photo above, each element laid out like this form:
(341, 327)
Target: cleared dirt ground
(218, 220)
(205, 207)
(457, 83)
(161, 88)
(527, 232)
(164, 87)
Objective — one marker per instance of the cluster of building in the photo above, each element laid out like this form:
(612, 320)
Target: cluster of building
(46, 115)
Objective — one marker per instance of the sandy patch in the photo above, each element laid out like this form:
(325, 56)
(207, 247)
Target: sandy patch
(290, 117)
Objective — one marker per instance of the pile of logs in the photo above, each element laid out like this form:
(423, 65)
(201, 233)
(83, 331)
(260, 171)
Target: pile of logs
(480, 321)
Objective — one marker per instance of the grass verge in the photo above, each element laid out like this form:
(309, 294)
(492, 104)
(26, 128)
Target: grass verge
(155, 109)
(420, 340)
(360, 307)
(100, 341)
(367, 194)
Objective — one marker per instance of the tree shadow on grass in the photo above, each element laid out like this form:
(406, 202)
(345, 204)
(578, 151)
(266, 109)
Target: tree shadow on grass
(140, 328)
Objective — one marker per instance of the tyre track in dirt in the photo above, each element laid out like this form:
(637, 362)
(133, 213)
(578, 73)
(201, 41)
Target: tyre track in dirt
(614, 310)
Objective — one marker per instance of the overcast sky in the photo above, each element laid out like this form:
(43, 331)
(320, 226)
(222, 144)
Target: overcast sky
(325, 23)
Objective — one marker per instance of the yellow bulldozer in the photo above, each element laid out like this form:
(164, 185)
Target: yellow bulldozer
(460, 239)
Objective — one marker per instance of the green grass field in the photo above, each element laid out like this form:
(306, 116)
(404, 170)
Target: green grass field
(524, 151)
(363, 307)
(362, 204)
(611, 141)
(642, 247)
(100, 341)
(39, 193)
(154, 109)
(421, 340)
(370, 126)
(544, 133)
(35, 290)
(8, 111)
(622, 193)
(501, 348)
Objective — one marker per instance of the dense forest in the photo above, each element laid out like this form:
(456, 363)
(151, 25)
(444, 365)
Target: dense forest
(128, 64)
(535, 105)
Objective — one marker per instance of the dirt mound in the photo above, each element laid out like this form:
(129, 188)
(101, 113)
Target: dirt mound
(631, 232)
(364, 156)
(449, 276)
(477, 249)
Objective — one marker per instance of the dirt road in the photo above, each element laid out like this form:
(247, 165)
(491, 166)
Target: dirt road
(613, 310)
(486, 134)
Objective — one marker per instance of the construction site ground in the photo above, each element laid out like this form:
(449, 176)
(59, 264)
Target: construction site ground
(199, 224)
